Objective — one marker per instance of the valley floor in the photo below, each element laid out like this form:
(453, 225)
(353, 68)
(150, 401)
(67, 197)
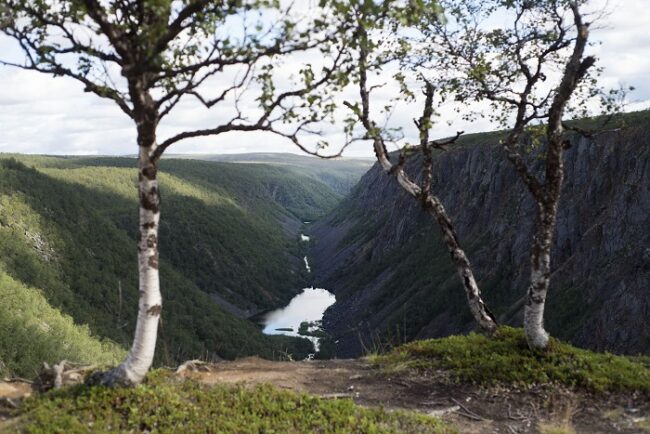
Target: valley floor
(473, 409)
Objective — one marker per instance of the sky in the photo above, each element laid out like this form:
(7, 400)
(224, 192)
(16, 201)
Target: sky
(40, 114)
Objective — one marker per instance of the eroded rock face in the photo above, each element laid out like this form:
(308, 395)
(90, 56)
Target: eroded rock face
(393, 280)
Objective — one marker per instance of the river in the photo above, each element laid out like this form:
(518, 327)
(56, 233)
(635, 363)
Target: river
(309, 305)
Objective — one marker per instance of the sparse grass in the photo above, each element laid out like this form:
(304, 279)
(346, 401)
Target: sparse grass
(165, 404)
(617, 414)
(561, 424)
(614, 414)
(506, 359)
(549, 428)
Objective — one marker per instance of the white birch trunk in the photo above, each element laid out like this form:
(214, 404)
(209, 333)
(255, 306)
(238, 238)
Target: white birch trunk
(536, 336)
(477, 306)
(549, 197)
(135, 367)
(540, 277)
(480, 312)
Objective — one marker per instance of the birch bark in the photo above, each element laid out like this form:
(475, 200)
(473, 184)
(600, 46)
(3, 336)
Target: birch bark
(480, 312)
(548, 198)
(540, 277)
(435, 208)
(140, 358)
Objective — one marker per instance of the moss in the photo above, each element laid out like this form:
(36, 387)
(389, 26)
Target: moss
(165, 404)
(506, 359)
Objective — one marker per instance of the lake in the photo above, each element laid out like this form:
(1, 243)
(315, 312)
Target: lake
(309, 305)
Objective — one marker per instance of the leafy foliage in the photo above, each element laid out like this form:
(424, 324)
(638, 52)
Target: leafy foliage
(166, 53)
(164, 404)
(505, 358)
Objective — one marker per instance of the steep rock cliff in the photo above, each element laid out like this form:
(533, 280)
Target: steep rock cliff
(383, 258)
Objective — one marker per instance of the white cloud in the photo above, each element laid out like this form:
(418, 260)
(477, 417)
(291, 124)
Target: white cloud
(42, 114)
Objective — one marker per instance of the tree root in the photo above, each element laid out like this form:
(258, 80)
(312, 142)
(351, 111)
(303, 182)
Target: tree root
(115, 377)
(62, 374)
(193, 366)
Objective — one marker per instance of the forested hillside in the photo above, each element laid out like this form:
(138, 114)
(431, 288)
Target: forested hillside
(229, 237)
(383, 257)
(339, 174)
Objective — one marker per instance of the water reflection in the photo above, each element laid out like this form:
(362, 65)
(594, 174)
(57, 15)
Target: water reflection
(309, 305)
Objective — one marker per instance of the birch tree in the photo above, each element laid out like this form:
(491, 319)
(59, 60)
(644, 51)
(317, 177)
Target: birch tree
(528, 72)
(149, 56)
(377, 45)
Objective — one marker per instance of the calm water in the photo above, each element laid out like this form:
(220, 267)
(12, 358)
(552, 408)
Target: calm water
(309, 305)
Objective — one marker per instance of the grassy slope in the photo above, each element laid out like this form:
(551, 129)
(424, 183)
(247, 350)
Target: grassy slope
(68, 230)
(219, 224)
(33, 332)
(167, 405)
(506, 359)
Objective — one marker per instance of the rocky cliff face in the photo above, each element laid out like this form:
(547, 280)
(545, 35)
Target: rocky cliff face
(393, 279)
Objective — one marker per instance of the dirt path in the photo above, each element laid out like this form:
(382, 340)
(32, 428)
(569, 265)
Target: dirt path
(472, 409)
(11, 392)
(328, 379)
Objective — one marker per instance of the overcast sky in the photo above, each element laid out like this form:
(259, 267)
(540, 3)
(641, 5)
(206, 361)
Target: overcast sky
(45, 115)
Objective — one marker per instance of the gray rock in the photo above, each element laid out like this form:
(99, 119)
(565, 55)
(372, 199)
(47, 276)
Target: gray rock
(382, 257)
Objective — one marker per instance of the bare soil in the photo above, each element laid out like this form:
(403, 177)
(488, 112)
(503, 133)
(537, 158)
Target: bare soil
(471, 408)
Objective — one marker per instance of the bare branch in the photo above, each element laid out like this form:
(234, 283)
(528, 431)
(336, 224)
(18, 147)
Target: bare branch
(440, 144)
(180, 23)
(98, 14)
(264, 122)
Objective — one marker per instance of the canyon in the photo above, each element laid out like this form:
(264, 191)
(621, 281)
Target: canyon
(383, 258)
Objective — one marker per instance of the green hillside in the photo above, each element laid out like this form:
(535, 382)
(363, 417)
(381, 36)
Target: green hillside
(33, 332)
(68, 230)
(165, 404)
(340, 174)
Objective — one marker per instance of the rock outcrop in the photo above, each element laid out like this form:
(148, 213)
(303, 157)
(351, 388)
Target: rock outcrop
(383, 258)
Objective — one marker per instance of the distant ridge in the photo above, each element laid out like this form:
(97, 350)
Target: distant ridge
(340, 174)
(266, 157)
